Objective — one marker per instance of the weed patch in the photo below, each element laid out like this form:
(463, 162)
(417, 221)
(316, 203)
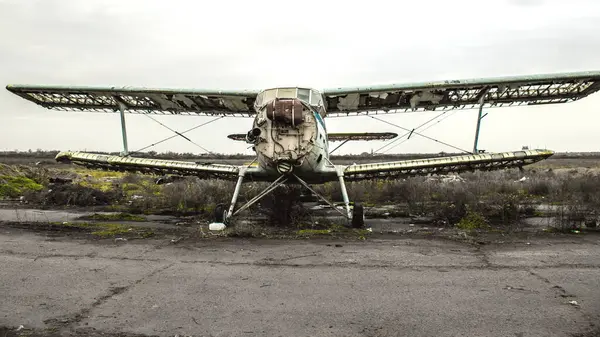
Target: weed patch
(15, 186)
(472, 221)
(114, 217)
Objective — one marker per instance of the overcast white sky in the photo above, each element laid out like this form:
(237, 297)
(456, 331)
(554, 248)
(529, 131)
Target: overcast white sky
(257, 44)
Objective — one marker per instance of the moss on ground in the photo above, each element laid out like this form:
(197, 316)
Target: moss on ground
(311, 232)
(115, 217)
(107, 230)
(103, 186)
(15, 186)
(112, 229)
(98, 174)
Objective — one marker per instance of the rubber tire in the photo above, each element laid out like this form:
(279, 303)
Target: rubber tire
(358, 216)
(219, 213)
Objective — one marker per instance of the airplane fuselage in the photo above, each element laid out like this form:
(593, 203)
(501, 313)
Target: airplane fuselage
(289, 134)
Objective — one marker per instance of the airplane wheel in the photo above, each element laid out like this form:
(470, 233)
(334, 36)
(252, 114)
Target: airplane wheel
(220, 213)
(358, 216)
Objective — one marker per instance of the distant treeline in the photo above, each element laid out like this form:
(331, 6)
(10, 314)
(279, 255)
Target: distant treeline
(44, 154)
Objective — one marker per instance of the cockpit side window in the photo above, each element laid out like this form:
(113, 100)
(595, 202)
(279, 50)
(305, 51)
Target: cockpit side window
(264, 97)
(304, 95)
(315, 98)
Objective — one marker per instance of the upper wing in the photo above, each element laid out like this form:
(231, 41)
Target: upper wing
(158, 166)
(456, 164)
(462, 94)
(140, 100)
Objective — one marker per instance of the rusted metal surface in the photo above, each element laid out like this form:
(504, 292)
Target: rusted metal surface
(286, 111)
(443, 165)
(461, 94)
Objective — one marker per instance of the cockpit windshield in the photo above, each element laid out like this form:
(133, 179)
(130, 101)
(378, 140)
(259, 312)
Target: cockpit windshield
(309, 96)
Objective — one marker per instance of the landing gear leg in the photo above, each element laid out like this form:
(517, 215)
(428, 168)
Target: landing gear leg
(344, 193)
(347, 214)
(226, 217)
(221, 216)
(357, 215)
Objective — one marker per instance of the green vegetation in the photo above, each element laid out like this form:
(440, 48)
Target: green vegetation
(110, 230)
(472, 221)
(312, 232)
(498, 198)
(15, 186)
(115, 217)
(107, 230)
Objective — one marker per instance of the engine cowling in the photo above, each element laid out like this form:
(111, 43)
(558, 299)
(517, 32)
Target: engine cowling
(288, 111)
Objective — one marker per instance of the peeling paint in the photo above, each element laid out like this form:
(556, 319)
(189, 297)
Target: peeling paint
(350, 102)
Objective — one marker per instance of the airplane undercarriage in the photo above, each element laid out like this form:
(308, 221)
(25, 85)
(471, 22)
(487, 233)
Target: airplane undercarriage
(223, 216)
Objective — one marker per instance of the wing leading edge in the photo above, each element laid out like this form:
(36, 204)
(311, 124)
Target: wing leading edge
(140, 100)
(443, 165)
(462, 94)
(157, 166)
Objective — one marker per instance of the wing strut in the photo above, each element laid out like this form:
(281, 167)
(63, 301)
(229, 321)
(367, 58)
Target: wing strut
(122, 107)
(344, 142)
(479, 117)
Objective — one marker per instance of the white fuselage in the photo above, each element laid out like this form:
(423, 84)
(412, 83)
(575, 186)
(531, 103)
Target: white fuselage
(289, 133)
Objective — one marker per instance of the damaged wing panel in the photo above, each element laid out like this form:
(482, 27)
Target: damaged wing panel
(149, 165)
(140, 100)
(339, 136)
(366, 136)
(462, 94)
(444, 165)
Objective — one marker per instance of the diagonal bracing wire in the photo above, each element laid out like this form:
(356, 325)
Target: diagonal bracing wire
(409, 133)
(402, 142)
(179, 134)
(419, 134)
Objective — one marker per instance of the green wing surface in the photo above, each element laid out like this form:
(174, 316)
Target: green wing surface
(158, 166)
(444, 165)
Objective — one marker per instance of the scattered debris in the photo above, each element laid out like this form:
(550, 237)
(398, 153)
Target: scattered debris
(177, 239)
(59, 180)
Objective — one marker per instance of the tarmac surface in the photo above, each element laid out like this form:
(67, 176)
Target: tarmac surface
(60, 285)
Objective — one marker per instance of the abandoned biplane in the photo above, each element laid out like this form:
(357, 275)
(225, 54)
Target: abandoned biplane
(288, 131)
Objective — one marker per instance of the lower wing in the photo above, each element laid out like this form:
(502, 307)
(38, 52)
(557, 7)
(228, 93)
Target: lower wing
(442, 165)
(159, 166)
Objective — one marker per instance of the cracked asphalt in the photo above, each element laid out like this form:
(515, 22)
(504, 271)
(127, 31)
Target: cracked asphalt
(403, 286)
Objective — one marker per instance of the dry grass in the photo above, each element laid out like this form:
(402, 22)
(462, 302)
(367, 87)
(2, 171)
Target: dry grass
(502, 196)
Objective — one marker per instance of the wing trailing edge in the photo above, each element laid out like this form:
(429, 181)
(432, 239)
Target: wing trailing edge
(444, 165)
